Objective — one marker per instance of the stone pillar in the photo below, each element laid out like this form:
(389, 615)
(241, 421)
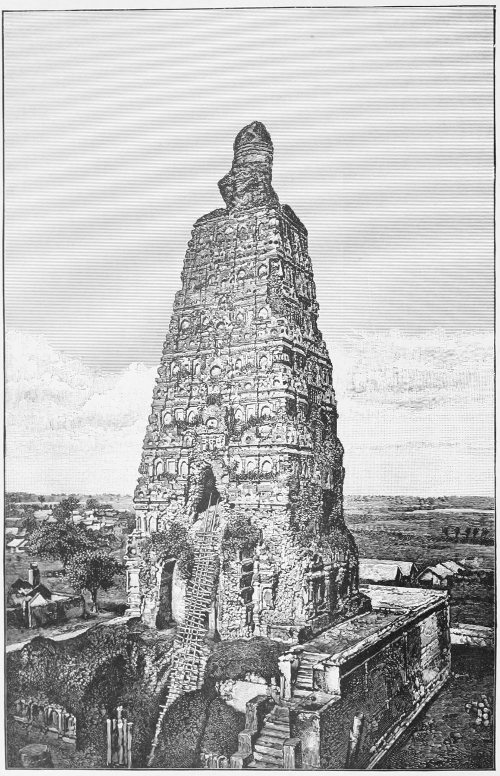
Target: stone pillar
(292, 754)
(246, 739)
(332, 679)
(239, 761)
(256, 710)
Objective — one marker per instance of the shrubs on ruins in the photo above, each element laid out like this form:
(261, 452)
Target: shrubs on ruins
(107, 666)
(172, 542)
(236, 659)
(239, 536)
(92, 570)
(222, 728)
(179, 745)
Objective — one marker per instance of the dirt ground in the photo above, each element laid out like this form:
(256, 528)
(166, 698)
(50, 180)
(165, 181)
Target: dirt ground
(445, 737)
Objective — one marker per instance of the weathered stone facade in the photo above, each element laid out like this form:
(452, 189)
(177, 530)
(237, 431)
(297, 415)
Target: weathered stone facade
(244, 416)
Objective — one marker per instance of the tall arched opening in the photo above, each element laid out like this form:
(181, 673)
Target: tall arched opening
(164, 616)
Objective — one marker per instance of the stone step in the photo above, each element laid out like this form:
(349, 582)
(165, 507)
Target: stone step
(304, 679)
(311, 658)
(276, 760)
(277, 724)
(281, 714)
(266, 746)
(262, 752)
(302, 693)
(261, 766)
(275, 735)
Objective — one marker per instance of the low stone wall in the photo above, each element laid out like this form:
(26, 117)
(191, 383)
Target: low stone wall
(381, 690)
(51, 720)
(472, 635)
(237, 693)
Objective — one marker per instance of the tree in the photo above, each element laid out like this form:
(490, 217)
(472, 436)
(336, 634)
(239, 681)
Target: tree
(475, 532)
(29, 523)
(41, 499)
(66, 507)
(92, 570)
(446, 532)
(92, 503)
(62, 540)
(467, 533)
(457, 533)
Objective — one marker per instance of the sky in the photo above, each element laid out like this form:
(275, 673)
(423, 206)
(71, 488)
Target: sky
(118, 126)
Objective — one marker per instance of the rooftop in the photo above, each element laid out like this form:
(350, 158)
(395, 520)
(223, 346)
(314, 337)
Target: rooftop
(393, 607)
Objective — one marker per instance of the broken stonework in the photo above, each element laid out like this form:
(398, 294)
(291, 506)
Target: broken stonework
(244, 421)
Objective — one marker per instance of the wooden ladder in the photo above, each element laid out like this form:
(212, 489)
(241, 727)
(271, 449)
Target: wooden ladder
(190, 653)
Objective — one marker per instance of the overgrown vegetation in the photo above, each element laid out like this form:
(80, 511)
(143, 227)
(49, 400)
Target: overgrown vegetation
(235, 659)
(172, 542)
(240, 535)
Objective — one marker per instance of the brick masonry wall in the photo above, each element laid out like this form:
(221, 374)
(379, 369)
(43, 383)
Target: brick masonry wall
(244, 411)
(385, 689)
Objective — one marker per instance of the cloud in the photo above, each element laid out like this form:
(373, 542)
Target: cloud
(416, 411)
(70, 427)
(416, 415)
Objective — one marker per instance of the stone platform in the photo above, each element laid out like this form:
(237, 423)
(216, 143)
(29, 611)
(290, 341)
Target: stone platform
(356, 687)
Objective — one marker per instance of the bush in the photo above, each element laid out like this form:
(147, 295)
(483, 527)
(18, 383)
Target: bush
(235, 659)
(179, 744)
(222, 728)
(240, 535)
(172, 542)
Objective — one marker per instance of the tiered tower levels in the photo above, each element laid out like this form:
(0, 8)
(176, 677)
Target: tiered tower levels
(244, 411)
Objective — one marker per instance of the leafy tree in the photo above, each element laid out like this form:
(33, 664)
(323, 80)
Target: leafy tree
(457, 533)
(467, 533)
(41, 499)
(61, 540)
(92, 570)
(475, 532)
(128, 524)
(29, 523)
(446, 532)
(66, 507)
(92, 503)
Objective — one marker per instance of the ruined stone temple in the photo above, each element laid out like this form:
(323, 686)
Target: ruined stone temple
(244, 421)
(240, 529)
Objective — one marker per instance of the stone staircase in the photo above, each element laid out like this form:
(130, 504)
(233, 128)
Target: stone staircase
(304, 683)
(268, 748)
(190, 652)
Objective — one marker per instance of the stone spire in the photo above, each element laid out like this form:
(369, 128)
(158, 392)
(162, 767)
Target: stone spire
(244, 419)
(248, 183)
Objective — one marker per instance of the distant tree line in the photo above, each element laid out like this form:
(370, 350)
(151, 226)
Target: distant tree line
(467, 535)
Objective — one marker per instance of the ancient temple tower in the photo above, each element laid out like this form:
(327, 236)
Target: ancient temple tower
(243, 428)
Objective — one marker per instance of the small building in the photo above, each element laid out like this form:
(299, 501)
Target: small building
(456, 568)
(435, 576)
(371, 572)
(409, 571)
(40, 514)
(17, 546)
(32, 604)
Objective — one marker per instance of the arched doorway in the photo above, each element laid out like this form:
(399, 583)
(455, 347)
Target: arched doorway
(164, 615)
